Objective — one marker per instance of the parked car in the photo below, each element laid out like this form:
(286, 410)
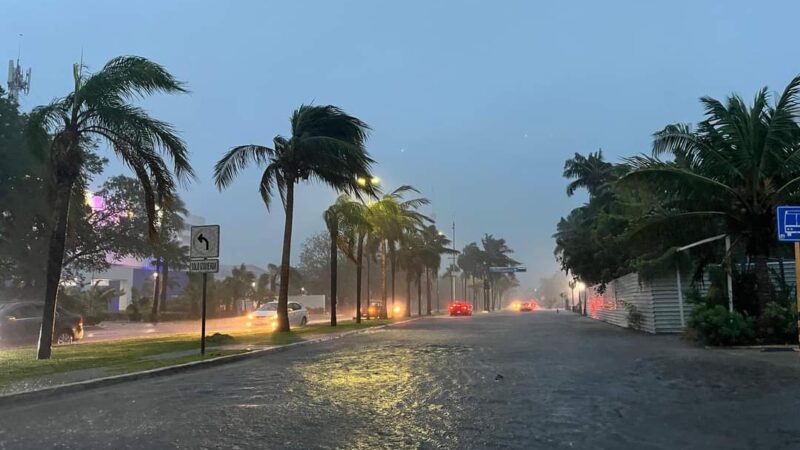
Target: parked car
(460, 308)
(267, 314)
(21, 321)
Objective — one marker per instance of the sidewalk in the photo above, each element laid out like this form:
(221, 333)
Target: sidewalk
(82, 364)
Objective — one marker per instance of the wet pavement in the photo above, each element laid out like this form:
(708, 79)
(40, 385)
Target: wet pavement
(524, 380)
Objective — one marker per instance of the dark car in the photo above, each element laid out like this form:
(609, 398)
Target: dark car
(460, 308)
(21, 321)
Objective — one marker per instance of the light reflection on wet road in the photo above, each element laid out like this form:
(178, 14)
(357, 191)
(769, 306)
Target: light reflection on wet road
(525, 380)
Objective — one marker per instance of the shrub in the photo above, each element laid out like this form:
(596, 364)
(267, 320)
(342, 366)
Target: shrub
(715, 325)
(777, 324)
(134, 315)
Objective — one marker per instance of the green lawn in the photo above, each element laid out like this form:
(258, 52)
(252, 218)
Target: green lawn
(132, 355)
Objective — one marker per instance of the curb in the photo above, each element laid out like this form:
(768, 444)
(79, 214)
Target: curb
(79, 386)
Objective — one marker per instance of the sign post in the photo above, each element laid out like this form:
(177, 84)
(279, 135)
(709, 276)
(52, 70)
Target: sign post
(789, 231)
(204, 251)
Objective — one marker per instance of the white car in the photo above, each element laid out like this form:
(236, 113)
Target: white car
(268, 314)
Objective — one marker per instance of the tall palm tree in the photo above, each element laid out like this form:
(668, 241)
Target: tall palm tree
(392, 217)
(99, 108)
(496, 254)
(410, 259)
(345, 221)
(733, 169)
(326, 145)
(434, 245)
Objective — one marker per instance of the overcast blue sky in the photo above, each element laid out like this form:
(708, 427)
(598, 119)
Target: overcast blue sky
(477, 104)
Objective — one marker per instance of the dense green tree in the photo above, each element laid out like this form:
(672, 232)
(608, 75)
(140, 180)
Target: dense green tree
(326, 145)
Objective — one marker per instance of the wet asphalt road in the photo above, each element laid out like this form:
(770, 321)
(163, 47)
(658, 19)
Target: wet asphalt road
(525, 380)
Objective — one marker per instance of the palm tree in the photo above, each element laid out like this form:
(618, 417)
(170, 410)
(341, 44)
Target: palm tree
(344, 219)
(392, 217)
(495, 254)
(733, 169)
(592, 173)
(326, 145)
(410, 258)
(99, 108)
(434, 245)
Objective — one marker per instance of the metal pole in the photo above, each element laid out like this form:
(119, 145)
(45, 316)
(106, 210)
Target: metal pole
(730, 269)
(797, 282)
(680, 295)
(203, 320)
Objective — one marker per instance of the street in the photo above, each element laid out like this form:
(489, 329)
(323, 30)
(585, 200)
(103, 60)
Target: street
(502, 380)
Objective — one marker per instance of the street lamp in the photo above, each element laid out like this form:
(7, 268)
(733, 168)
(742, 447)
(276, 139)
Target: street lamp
(371, 181)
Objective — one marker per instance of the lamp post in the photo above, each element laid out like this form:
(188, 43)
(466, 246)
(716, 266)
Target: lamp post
(572, 284)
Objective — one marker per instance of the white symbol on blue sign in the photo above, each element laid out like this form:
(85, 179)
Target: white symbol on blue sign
(788, 223)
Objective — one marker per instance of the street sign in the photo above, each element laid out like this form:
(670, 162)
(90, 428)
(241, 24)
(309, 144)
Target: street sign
(204, 265)
(204, 242)
(507, 269)
(789, 231)
(788, 223)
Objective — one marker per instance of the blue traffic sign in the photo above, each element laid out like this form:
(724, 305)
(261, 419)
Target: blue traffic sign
(788, 223)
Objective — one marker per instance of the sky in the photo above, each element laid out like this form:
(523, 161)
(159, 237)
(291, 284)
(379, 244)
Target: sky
(475, 103)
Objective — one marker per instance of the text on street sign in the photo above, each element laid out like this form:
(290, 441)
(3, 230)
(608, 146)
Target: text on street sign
(204, 265)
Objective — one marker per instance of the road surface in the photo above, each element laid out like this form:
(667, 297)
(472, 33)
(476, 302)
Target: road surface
(524, 380)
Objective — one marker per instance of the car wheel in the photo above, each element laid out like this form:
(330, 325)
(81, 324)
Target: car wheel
(64, 337)
(303, 321)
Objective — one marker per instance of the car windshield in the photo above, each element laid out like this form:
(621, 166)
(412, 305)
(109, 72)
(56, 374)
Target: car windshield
(269, 307)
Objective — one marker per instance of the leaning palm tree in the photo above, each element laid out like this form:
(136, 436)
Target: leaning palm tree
(590, 172)
(99, 108)
(326, 145)
(732, 170)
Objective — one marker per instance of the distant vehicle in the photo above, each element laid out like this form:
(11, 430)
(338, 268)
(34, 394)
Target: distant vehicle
(374, 310)
(525, 305)
(21, 321)
(460, 308)
(268, 314)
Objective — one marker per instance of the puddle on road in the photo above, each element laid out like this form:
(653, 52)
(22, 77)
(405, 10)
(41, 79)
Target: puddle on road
(390, 391)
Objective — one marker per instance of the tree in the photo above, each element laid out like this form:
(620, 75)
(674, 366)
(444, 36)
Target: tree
(326, 145)
(732, 170)
(99, 108)
(434, 245)
(591, 172)
(354, 228)
(392, 218)
(410, 258)
(495, 254)
(470, 261)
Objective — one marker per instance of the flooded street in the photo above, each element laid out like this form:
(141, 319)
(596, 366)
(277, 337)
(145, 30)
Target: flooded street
(523, 380)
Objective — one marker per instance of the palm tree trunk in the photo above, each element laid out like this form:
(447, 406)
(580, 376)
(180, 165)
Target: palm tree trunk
(408, 295)
(359, 265)
(334, 268)
(369, 275)
(162, 306)
(156, 286)
(419, 293)
(384, 299)
(392, 261)
(763, 284)
(55, 259)
(283, 293)
(428, 286)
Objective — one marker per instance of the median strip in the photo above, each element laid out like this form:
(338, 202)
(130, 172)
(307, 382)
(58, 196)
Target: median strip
(129, 358)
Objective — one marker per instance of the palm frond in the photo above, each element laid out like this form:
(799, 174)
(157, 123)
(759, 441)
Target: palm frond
(236, 160)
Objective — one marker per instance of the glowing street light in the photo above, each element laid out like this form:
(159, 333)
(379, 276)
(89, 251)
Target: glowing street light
(371, 181)
(580, 285)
